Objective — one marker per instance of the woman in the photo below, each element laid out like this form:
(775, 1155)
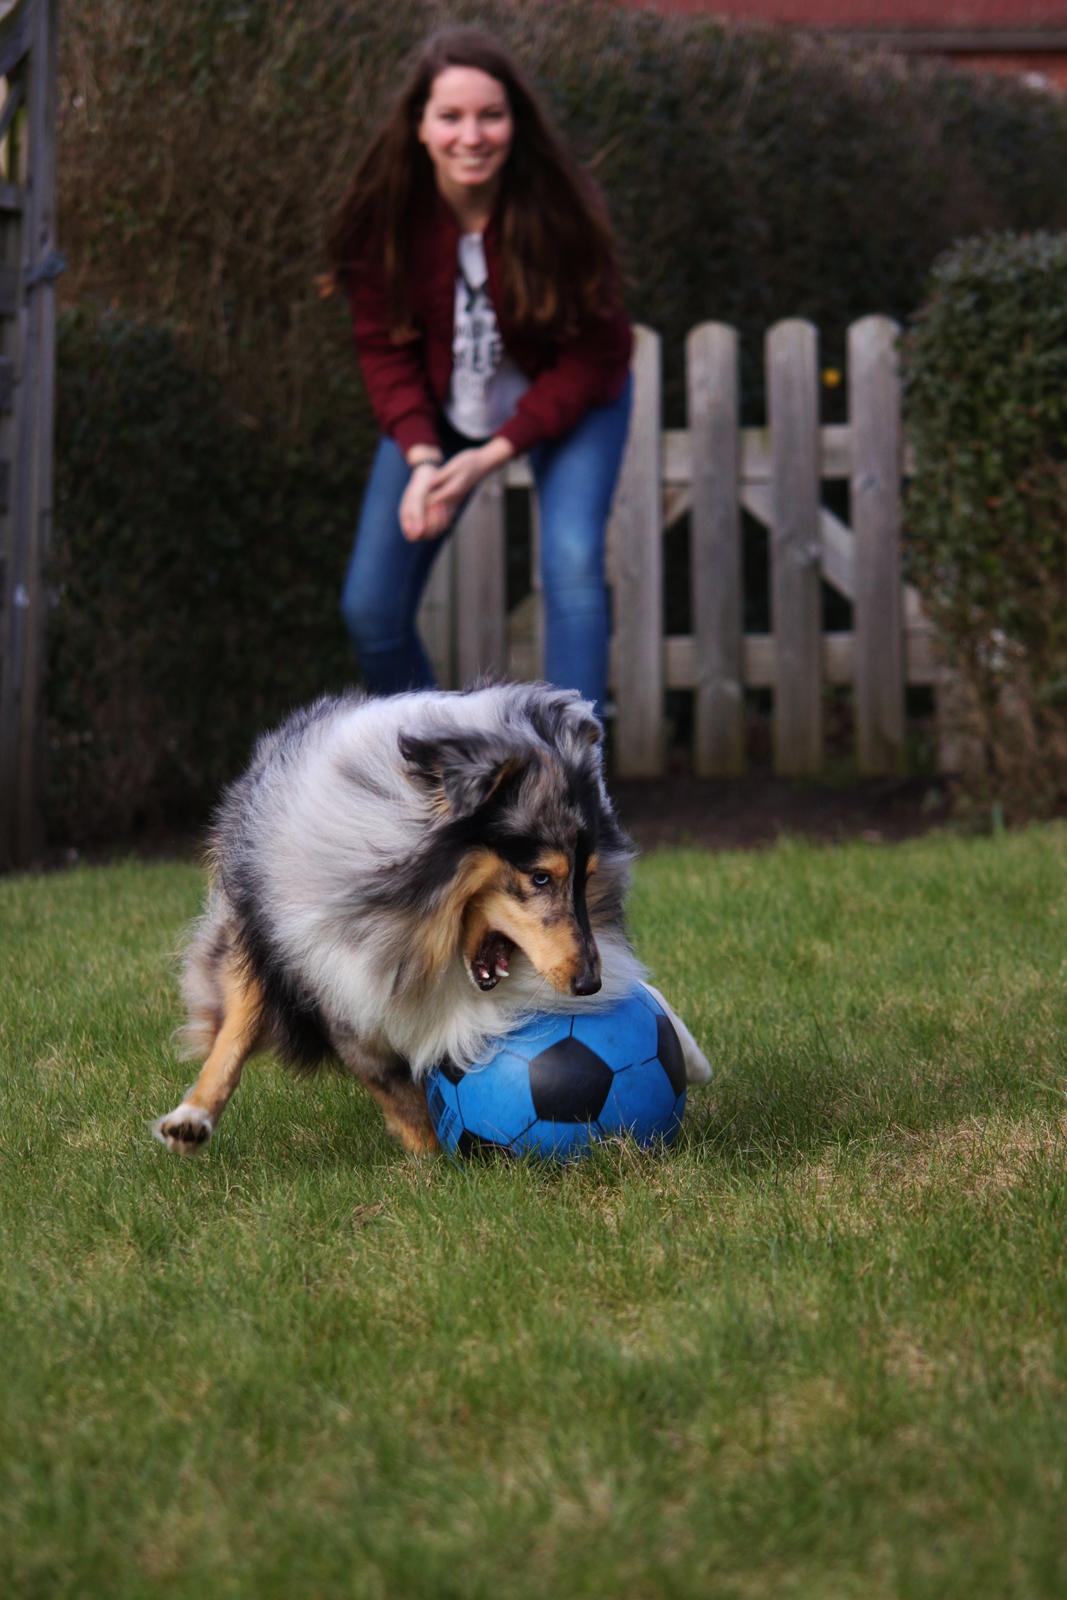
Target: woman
(488, 321)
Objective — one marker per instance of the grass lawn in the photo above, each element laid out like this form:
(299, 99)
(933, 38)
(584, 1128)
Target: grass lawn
(820, 1349)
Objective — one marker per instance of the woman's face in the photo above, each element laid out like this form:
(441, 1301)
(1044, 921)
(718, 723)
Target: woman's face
(467, 129)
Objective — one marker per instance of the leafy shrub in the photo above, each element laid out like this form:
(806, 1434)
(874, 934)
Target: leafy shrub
(195, 581)
(986, 394)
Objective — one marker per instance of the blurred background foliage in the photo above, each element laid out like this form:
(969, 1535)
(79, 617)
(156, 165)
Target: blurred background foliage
(212, 435)
(985, 365)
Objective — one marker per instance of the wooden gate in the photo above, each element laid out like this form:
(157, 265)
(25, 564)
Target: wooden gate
(712, 470)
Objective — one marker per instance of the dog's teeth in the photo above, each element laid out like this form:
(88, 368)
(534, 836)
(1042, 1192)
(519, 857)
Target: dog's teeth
(501, 969)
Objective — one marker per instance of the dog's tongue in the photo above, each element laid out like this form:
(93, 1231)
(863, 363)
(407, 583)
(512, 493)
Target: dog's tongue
(491, 960)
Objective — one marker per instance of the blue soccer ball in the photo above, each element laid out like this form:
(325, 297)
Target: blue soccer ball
(559, 1083)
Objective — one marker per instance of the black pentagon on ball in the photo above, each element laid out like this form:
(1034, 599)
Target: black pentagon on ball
(473, 1147)
(670, 1053)
(569, 1082)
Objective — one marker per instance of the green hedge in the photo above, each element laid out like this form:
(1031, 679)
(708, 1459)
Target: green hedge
(986, 396)
(209, 475)
(195, 580)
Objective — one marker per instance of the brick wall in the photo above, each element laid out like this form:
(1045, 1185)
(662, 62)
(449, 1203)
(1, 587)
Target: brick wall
(855, 15)
(1013, 36)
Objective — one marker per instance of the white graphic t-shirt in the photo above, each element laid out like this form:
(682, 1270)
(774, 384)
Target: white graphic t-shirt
(486, 384)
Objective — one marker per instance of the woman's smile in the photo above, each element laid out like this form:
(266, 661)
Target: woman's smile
(466, 129)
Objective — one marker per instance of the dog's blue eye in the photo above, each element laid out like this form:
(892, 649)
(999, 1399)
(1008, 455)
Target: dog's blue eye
(540, 880)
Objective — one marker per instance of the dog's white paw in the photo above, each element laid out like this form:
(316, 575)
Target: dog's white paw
(185, 1129)
(697, 1065)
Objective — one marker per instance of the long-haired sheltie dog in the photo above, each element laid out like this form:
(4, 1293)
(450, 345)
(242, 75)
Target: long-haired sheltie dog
(395, 881)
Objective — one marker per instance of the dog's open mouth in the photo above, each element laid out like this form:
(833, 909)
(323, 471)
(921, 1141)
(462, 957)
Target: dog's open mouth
(492, 959)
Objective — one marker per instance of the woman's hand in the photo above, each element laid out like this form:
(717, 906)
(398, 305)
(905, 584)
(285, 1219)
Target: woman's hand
(435, 492)
(418, 519)
(452, 483)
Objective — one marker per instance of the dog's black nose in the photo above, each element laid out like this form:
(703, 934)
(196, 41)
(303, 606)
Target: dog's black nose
(586, 983)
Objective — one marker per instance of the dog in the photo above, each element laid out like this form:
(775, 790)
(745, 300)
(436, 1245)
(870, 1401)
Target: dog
(395, 882)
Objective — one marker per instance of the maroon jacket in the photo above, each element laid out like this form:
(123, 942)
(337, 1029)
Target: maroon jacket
(408, 382)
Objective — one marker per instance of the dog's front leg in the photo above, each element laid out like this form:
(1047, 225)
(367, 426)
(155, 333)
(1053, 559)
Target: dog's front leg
(697, 1066)
(192, 1123)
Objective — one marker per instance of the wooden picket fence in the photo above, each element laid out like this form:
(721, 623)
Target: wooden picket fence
(712, 470)
(29, 265)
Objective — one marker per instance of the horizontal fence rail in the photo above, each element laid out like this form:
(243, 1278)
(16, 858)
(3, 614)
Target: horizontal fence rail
(713, 471)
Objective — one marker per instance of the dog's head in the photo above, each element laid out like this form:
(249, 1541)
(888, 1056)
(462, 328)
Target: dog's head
(524, 852)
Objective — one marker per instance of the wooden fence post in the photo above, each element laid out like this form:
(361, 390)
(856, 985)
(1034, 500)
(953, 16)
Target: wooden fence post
(436, 618)
(537, 589)
(715, 555)
(874, 416)
(481, 585)
(13, 592)
(796, 595)
(30, 526)
(635, 550)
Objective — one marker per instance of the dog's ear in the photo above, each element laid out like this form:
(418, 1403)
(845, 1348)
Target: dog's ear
(583, 726)
(564, 718)
(460, 771)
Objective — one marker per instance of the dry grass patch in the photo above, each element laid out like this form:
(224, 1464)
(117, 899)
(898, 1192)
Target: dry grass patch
(978, 1155)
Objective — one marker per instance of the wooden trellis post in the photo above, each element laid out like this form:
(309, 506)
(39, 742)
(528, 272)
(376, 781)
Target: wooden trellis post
(29, 265)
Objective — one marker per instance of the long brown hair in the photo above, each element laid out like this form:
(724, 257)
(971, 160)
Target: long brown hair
(558, 260)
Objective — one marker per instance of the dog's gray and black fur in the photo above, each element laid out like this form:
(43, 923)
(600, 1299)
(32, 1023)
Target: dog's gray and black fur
(396, 881)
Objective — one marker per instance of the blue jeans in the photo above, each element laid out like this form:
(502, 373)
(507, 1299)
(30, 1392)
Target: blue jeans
(575, 479)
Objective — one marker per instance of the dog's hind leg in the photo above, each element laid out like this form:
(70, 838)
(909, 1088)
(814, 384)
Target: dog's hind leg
(403, 1104)
(697, 1066)
(192, 1123)
(387, 1077)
